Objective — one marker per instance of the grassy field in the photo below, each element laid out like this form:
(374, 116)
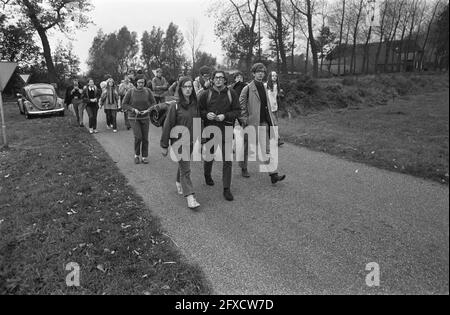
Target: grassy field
(63, 200)
(409, 134)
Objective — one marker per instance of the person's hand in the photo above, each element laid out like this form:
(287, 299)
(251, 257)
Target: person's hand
(211, 116)
(137, 112)
(220, 117)
(164, 152)
(93, 100)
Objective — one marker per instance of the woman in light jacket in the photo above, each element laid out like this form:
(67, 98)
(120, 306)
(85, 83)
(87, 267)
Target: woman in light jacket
(111, 101)
(182, 113)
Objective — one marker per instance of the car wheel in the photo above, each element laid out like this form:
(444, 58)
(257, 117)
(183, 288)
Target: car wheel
(27, 115)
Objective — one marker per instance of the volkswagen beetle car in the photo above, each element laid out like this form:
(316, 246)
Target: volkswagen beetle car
(39, 99)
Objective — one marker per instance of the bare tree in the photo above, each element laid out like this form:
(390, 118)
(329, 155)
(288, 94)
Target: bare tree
(419, 31)
(340, 36)
(359, 11)
(396, 13)
(382, 33)
(308, 12)
(366, 57)
(194, 39)
(291, 17)
(250, 8)
(430, 23)
(277, 16)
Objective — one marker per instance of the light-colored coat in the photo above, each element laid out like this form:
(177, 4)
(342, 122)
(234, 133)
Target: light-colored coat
(251, 106)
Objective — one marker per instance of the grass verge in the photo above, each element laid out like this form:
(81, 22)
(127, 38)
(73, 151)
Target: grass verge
(409, 135)
(63, 200)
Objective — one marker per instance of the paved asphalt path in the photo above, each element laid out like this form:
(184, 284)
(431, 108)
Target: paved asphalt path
(311, 234)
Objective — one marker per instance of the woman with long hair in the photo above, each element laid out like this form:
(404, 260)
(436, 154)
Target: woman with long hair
(275, 93)
(182, 112)
(111, 101)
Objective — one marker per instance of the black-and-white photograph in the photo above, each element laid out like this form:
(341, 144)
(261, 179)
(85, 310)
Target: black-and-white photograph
(224, 153)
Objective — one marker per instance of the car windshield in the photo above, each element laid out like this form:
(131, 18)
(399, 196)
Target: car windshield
(41, 91)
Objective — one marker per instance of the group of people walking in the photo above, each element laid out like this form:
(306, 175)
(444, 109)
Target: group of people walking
(208, 98)
(91, 99)
(219, 105)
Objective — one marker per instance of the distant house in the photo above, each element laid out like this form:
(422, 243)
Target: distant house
(394, 56)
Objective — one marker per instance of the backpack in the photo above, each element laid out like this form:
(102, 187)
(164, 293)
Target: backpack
(230, 98)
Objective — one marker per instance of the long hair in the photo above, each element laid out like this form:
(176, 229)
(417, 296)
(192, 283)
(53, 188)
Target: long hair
(181, 99)
(110, 89)
(270, 82)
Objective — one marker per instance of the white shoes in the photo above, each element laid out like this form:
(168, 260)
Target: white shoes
(192, 203)
(179, 188)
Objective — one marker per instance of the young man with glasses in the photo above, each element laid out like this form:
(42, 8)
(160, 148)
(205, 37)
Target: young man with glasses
(203, 82)
(219, 106)
(255, 107)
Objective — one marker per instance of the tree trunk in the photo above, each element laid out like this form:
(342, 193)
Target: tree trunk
(382, 29)
(293, 44)
(321, 61)
(47, 55)
(44, 39)
(280, 37)
(365, 68)
(312, 41)
(428, 32)
(400, 53)
(340, 37)
(394, 34)
(355, 37)
(345, 50)
(307, 55)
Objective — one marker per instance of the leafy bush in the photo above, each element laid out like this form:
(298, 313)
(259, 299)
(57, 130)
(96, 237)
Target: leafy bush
(349, 81)
(304, 94)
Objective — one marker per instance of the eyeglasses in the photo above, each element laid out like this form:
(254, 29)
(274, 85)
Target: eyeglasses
(219, 78)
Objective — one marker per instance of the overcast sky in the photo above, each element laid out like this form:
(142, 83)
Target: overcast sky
(141, 15)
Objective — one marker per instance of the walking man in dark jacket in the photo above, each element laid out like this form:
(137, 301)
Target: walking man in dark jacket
(219, 106)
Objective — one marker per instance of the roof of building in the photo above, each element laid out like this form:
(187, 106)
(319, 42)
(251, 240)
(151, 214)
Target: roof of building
(345, 50)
